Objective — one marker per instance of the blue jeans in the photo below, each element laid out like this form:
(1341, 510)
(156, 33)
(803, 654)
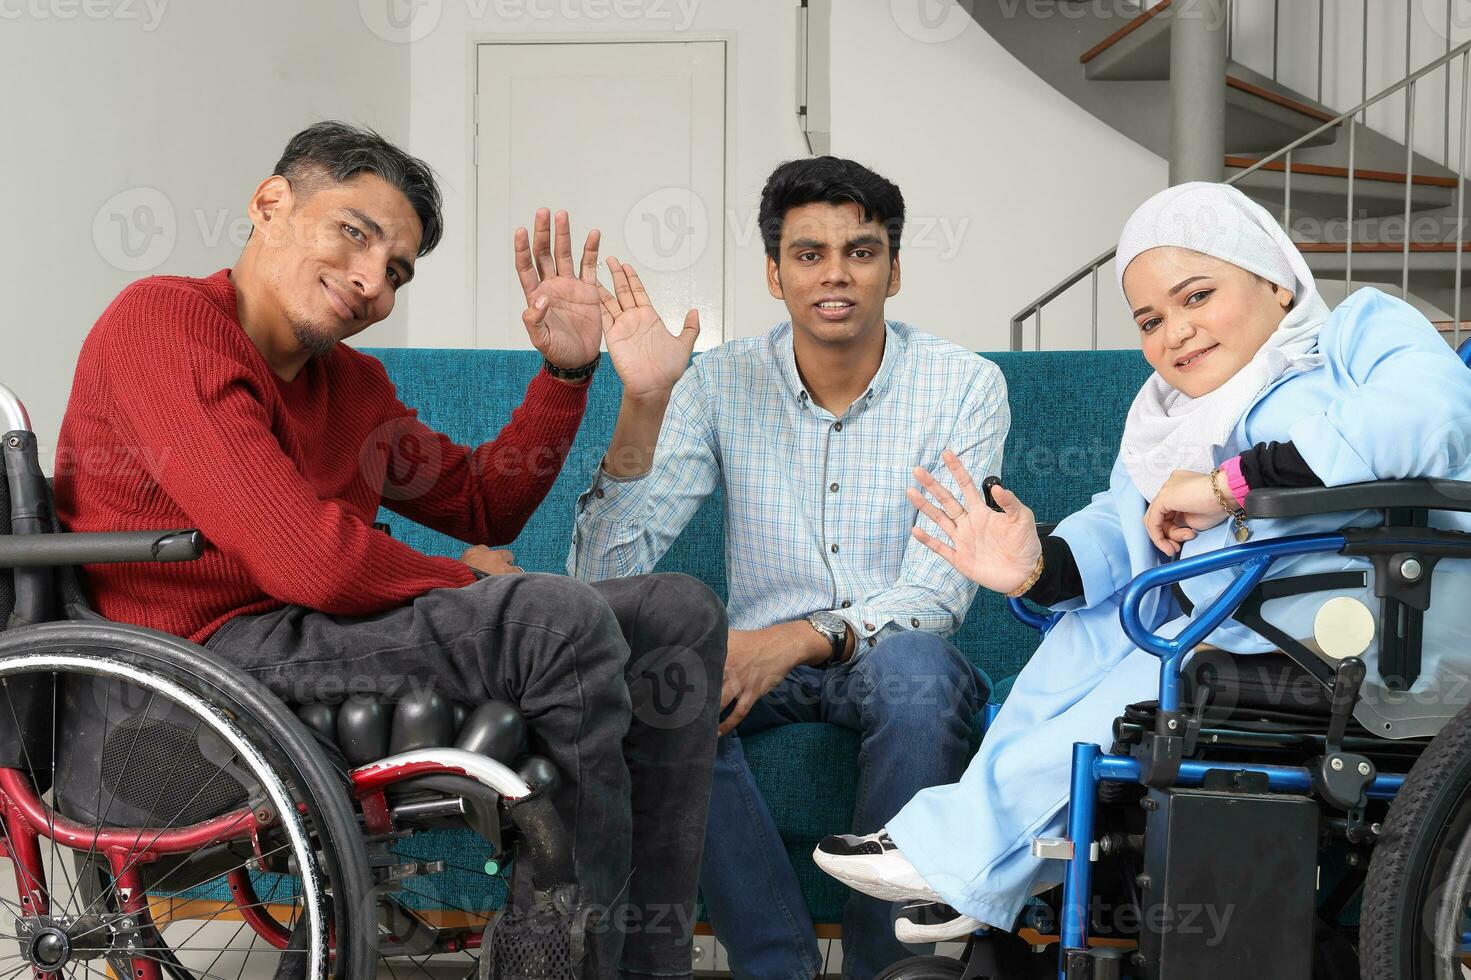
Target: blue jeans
(913, 700)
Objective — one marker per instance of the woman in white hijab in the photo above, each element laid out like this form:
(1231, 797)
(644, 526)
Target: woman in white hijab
(1256, 385)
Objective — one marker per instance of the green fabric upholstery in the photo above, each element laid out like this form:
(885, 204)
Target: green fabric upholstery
(1067, 412)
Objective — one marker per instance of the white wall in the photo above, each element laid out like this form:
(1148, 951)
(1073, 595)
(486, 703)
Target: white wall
(181, 108)
(114, 106)
(763, 130)
(1009, 185)
(1432, 28)
(998, 170)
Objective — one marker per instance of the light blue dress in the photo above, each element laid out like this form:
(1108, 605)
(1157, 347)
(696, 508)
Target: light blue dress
(1392, 401)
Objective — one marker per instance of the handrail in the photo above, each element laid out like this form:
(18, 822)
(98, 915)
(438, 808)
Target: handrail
(1018, 322)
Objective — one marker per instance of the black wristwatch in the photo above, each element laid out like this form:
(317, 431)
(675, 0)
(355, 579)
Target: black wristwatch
(571, 374)
(834, 629)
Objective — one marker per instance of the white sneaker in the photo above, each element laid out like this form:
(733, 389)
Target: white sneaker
(911, 930)
(872, 864)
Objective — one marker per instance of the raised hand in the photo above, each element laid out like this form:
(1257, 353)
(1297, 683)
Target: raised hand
(998, 551)
(647, 357)
(563, 317)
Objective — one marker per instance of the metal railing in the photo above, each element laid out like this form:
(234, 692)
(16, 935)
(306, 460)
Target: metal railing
(1033, 311)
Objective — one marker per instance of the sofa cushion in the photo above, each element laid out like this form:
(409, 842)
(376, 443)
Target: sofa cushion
(1067, 412)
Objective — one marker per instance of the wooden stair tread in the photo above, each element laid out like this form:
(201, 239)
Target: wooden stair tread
(1232, 81)
(1123, 32)
(1331, 247)
(1320, 170)
(1278, 99)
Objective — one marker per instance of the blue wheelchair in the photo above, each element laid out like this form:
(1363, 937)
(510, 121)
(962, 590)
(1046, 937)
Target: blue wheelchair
(1260, 818)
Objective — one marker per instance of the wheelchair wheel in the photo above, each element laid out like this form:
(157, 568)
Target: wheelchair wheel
(1419, 884)
(193, 828)
(925, 968)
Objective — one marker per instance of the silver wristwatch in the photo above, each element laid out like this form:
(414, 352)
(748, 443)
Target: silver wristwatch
(834, 629)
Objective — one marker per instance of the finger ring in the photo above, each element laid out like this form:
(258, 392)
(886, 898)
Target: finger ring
(956, 517)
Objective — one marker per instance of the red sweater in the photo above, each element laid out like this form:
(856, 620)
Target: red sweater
(176, 421)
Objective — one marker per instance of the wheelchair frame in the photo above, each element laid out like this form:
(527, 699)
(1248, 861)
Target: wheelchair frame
(32, 550)
(28, 821)
(1092, 767)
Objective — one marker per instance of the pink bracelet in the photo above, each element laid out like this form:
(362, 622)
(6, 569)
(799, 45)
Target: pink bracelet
(1235, 482)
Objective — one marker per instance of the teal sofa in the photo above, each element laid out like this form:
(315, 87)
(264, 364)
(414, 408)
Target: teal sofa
(1067, 412)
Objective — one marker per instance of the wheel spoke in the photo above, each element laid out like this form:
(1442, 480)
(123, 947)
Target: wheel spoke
(25, 875)
(239, 867)
(261, 753)
(483, 916)
(232, 939)
(112, 797)
(51, 810)
(170, 826)
(135, 954)
(14, 908)
(97, 802)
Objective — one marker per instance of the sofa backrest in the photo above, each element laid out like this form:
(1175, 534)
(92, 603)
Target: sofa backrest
(1067, 413)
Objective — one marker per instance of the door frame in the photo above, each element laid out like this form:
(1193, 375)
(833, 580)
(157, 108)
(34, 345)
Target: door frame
(726, 38)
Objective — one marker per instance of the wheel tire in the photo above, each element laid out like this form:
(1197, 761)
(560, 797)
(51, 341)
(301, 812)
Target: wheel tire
(281, 740)
(1413, 860)
(924, 968)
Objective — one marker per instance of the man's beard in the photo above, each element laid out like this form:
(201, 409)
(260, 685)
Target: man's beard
(311, 339)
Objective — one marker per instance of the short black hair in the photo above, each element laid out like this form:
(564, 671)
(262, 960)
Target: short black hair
(337, 152)
(828, 180)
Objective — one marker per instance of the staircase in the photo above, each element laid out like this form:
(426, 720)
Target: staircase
(1363, 206)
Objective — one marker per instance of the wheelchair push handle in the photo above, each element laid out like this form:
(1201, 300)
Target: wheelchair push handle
(99, 547)
(13, 417)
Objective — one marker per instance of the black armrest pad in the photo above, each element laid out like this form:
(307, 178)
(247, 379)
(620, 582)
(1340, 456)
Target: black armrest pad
(1379, 495)
(98, 547)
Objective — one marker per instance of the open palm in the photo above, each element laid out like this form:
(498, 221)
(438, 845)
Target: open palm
(995, 550)
(648, 358)
(563, 317)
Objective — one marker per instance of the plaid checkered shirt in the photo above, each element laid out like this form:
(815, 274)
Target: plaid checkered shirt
(815, 512)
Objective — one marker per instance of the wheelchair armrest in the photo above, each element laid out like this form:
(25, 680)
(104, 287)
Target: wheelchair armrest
(99, 547)
(1378, 495)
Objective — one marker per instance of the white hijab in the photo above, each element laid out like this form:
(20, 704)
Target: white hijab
(1168, 430)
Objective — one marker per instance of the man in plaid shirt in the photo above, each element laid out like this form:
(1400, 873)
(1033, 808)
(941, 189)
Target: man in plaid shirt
(837, 614)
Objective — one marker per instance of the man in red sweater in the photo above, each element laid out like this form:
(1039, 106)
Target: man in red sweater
(241, 412)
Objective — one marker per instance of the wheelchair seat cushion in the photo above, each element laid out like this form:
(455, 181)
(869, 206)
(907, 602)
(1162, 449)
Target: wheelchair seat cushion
(1270, 682)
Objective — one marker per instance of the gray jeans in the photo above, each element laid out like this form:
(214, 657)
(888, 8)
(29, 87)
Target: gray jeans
(619, 683)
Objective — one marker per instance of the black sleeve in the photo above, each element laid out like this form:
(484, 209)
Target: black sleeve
(1060, 579)
(1276, 464)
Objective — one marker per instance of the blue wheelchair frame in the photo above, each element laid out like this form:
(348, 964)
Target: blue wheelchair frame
(1092, 766)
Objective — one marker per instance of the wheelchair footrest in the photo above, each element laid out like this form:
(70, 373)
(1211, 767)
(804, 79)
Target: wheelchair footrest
(545, 942)
(1229, 884)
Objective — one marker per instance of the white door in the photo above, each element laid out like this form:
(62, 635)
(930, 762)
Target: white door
(628, 138)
